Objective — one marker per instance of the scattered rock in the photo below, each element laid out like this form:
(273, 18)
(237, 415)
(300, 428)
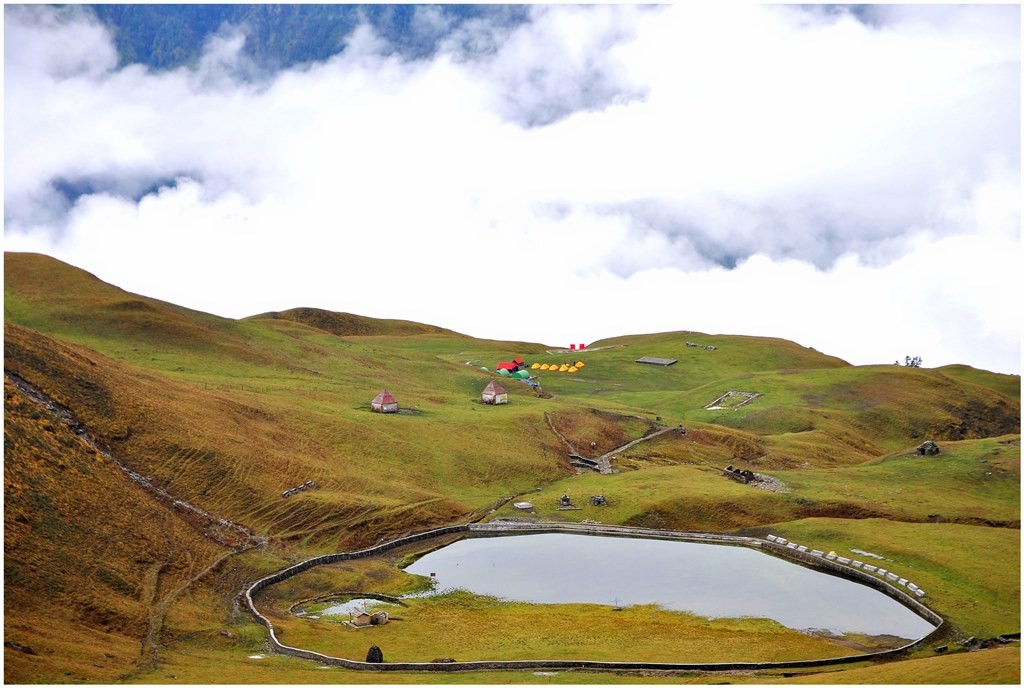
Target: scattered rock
(19, 647)
(442, 660)
(768, 483)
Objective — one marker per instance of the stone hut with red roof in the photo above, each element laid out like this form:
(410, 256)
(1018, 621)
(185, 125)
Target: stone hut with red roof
(494, 394)
(384, 403)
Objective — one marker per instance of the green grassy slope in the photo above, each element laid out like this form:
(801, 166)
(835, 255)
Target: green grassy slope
(227, 414)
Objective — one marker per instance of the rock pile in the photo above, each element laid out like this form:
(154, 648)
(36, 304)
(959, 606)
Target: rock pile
(768, 483)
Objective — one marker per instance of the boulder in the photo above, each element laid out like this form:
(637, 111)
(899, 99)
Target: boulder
(374, 655)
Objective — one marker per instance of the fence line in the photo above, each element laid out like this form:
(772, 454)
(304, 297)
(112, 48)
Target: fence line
(514, 528)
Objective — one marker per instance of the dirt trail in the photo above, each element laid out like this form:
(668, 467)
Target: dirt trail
(603, 463)
(220, 530)
(605, 460)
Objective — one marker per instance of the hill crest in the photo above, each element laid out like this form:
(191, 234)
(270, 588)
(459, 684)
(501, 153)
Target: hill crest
(351, 325)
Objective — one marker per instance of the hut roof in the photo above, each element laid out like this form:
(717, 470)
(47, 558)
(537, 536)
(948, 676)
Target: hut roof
(656, 361)
(494, 388)
(384, 398)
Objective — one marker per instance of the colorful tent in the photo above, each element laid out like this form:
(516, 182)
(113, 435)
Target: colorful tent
(512, 366)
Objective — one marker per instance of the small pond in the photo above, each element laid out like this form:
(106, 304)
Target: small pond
(354, 606)
(717, 581)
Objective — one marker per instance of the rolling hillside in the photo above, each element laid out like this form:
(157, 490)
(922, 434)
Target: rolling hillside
(148, 447)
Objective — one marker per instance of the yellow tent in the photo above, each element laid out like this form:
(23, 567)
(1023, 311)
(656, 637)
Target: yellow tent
(572, 369)
(544, 366)
(579, 364)
(563, 368)
(535, 366)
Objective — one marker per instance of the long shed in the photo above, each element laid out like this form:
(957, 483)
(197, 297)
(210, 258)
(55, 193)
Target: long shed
(654, 360)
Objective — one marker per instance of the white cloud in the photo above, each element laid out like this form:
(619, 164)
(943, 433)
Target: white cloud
(754, 170)
(57, 44)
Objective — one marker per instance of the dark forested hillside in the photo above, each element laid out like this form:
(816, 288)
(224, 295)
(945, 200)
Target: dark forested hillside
(169, 36)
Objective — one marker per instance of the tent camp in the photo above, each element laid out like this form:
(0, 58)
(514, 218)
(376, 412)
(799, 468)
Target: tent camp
(512, 366)
(494, 394)
(384, 403)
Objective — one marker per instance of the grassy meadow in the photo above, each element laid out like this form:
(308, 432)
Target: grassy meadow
(107, 583)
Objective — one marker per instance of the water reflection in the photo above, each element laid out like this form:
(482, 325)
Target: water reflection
(709, 580)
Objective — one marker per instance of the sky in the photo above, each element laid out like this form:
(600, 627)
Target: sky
(848, 179)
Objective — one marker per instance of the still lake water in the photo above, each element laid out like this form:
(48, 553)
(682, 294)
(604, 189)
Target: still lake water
(716, 581)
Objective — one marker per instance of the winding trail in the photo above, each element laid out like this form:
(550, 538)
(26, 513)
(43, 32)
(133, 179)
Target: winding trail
(220, 530)
(603, 463)
(213, 527)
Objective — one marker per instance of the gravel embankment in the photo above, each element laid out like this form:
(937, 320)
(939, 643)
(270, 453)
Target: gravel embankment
(768, 483)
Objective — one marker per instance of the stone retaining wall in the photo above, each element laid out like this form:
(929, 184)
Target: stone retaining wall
(858, 576)
(497, 529)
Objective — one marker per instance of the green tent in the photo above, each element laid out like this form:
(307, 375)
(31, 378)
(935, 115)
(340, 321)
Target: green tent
(522, 374)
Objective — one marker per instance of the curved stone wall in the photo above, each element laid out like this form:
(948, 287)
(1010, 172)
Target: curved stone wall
(516, 528)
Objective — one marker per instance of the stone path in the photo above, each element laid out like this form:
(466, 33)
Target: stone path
(603, 463)
(605, 460)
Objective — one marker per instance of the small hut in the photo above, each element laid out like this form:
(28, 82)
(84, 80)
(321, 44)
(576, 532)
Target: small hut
(364, 618)
(494, 394)
(384, 403)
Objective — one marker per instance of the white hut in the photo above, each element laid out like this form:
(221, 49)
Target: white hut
(365, 618)
(494, 394)
(384, 403)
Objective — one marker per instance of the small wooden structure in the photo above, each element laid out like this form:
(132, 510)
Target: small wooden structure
(364, 618)
(494, 394)
(384, 403)
(738, 474)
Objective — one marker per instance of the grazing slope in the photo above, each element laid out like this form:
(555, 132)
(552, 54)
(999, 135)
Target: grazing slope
(135, 511)
(346, 324)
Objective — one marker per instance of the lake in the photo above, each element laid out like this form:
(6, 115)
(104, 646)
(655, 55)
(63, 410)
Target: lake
(716, 581)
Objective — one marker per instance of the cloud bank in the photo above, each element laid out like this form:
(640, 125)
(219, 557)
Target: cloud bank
(847, 181)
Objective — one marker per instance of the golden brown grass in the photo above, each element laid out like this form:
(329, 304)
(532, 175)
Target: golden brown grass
(470, 628)
(987, 667)
(228, 414)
